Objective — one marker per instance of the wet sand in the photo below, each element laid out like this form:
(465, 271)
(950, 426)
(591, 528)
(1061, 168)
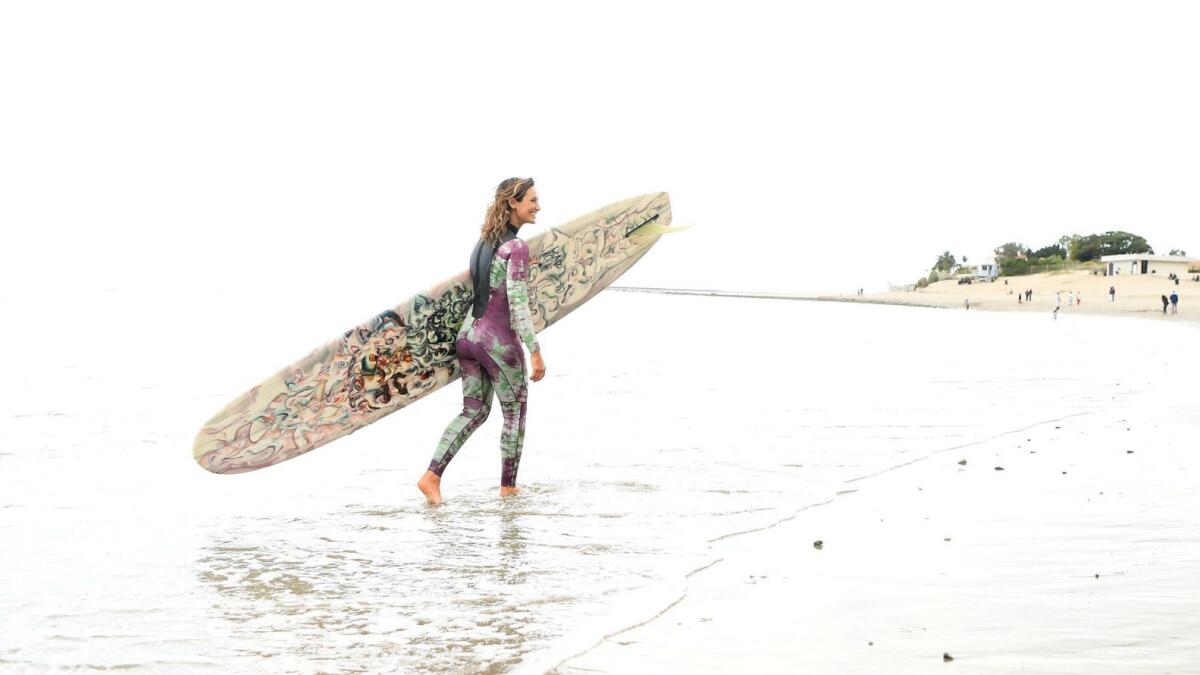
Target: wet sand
(1080, 555)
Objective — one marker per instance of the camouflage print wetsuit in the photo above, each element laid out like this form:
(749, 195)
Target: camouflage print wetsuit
(490, 357)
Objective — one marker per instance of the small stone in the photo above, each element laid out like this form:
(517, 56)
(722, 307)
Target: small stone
(1129, 452)
(1064, 473)
(870, 644)
(946, 657)
(1097, 576)
(818, 544)
(999, 468)
(945, 538)
(962, 462)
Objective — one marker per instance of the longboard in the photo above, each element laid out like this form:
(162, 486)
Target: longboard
(407, 352)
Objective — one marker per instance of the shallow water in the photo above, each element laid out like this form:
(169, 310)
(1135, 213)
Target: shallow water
(665, 422)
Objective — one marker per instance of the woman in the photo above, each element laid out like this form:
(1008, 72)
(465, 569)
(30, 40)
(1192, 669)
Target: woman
(489, 342)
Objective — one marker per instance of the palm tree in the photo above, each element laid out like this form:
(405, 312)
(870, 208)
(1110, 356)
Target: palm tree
(945, 262)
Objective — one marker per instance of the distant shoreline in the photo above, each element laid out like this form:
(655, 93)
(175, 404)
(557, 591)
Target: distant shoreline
(864, 299)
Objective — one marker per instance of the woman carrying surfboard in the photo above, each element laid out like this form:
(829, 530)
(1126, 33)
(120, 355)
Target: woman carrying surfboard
(489, 342)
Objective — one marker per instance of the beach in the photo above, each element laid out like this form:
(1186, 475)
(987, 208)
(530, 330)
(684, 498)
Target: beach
(1137, 295)
(674, 486)
(1066, 547)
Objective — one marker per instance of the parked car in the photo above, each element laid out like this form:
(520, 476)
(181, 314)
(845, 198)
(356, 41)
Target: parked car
(965, 280)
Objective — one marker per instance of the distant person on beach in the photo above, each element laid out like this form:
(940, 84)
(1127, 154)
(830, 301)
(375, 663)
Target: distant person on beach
(1078, 298)
(1019, 297)
(1165, 302)
(1112, 293)
(1174, 302)
(966, 303)
(1058, 298)
(1070, 298)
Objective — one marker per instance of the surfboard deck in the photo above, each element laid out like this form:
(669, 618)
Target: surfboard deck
(407, 352)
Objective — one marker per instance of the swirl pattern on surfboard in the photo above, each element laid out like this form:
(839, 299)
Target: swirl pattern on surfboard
(404, 353)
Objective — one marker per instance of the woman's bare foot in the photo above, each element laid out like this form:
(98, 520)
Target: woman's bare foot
(430, 485)
(506, 491)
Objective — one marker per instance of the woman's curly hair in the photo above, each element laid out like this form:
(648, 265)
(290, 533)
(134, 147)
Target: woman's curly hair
(499, 213)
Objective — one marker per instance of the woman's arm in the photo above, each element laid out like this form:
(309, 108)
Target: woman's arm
(518, 295)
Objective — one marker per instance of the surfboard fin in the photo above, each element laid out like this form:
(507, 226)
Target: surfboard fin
(651, 227)
(655, 228)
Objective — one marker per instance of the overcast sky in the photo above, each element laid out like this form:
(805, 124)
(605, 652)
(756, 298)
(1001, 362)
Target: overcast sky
(814, 146)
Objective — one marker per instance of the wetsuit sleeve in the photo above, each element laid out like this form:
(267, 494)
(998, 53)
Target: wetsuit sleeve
(518, 295)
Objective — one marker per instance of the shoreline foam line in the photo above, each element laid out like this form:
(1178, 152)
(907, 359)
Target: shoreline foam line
(796, 514)
(768, 296)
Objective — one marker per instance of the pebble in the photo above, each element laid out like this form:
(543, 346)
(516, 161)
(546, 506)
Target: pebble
(999, 468)
(962, 462)
(818, 544)
(946, 657)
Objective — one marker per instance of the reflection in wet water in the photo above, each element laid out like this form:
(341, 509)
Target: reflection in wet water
(430, 589)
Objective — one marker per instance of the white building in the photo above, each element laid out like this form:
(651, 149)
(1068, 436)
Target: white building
(1145, 263)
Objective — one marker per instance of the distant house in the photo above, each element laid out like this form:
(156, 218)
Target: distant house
(987, 271)
(1145, 263)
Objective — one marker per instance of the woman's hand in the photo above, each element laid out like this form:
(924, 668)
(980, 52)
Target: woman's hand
(539, 366)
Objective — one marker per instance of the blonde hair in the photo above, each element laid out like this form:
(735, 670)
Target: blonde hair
(499, 213)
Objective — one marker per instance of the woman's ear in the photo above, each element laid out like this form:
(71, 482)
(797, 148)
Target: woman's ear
(512, 203)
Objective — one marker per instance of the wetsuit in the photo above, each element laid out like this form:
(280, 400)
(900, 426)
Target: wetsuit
(490, 358)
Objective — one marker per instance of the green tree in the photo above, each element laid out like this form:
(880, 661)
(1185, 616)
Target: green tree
(933, 277)
(1092, 246)
(1052, 251)
(1013, 266)
(945, 262)
(1011, 249)
(1179, 252)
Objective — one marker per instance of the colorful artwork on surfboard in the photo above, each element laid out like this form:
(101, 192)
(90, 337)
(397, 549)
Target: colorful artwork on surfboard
(406, 352)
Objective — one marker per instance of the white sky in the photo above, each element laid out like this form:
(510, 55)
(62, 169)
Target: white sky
(815, 146)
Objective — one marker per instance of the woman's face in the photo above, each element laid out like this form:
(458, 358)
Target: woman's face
(525, 211)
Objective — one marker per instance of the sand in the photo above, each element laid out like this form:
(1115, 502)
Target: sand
(1138, 295)
(1080, 556)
